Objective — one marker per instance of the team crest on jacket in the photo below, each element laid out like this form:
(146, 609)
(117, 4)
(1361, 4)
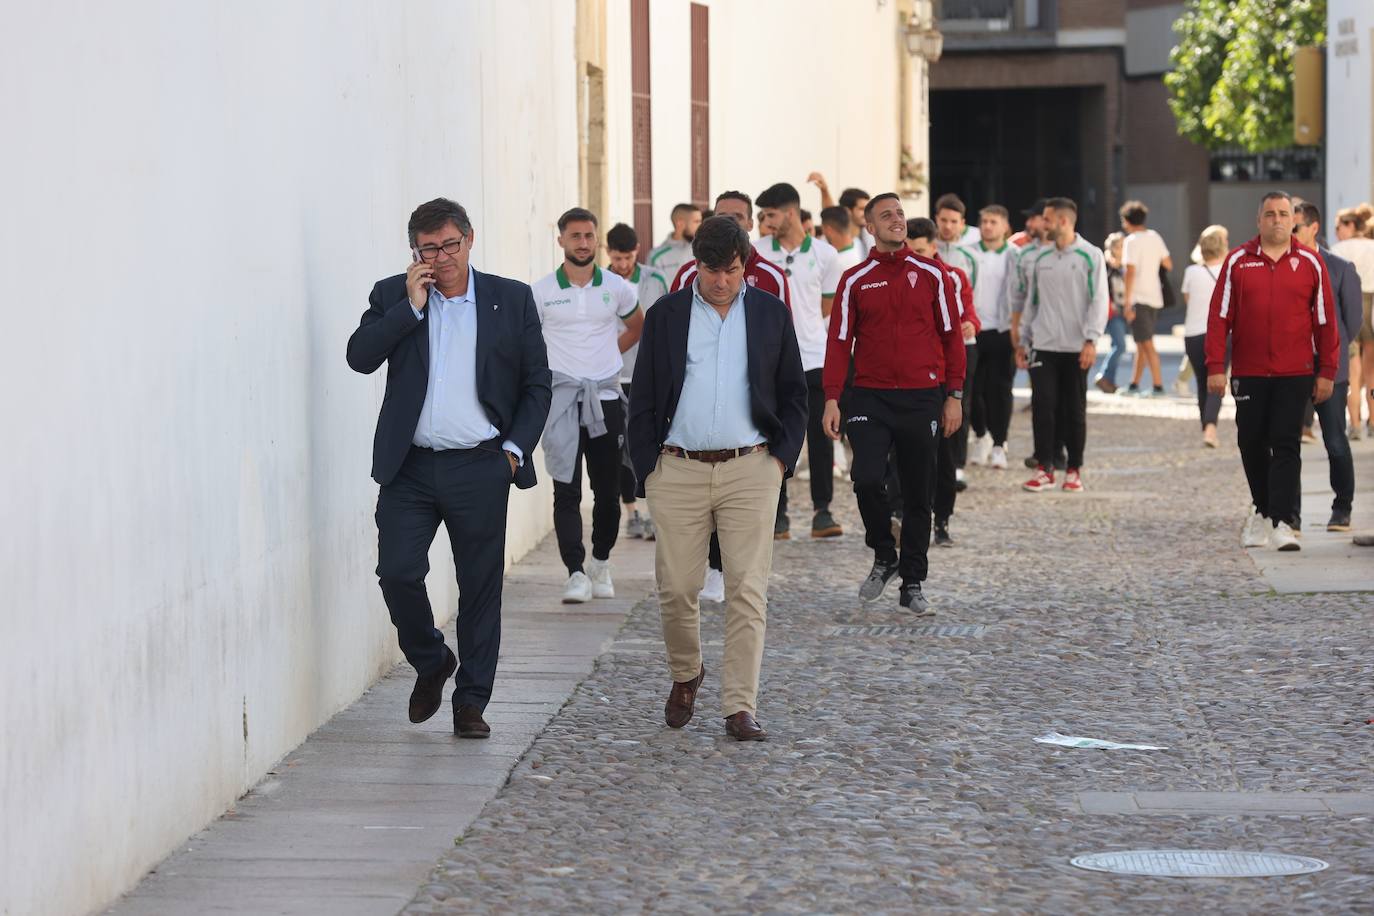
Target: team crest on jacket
(752, 280)
(1293, 262)
(934, 425)
(911, 278)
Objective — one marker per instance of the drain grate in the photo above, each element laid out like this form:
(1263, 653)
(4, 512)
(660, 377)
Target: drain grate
(928, 629)
(1194, 863)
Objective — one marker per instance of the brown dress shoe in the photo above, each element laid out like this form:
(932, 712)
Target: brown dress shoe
(428, 694)
(468, 723)
(682, 699)
(742, 726)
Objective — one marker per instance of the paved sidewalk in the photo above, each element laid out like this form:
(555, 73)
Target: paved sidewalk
(902, 774)
(352, 821)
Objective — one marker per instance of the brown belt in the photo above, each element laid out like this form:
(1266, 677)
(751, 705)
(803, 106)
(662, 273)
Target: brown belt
(716, 457)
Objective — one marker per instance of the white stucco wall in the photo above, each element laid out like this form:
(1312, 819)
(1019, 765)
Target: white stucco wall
(1349, 105)
(198, 199)
(795, 87)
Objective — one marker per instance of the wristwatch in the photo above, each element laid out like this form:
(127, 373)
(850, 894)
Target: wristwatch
(957, 394)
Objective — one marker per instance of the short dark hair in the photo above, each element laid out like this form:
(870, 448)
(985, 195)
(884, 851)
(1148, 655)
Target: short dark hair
(1275, 195)
(850, 197)
(919, 227)
(683, 209)
(995, 210)
(735, 195)
(719, 241)
(621, 237)
(1309, 213)
(576, 215)
(806, 216)
(951, 202)
(777, 196)
(837, 218)
(1062, 204)
(1134, 212)
(873, 202)
(434, 215)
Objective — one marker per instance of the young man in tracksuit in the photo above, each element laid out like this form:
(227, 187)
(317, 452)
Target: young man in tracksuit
(1273, 302)
(920, 238)
(1064, 315)
(896, 314)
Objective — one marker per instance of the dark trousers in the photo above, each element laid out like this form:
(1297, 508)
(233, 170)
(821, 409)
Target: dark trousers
(1332, 414)
(992, 384)
(820, 450)
(959, 441)
(909, 420)
(628, 484)
(602, 455)
(1269, 432)
(946, 461)
(467, 490)
(1059, 405)
(1208, 405)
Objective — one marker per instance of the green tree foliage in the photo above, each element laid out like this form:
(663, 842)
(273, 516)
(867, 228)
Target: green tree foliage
(1232, 82)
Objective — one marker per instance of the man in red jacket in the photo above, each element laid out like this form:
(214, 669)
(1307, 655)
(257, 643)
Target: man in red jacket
(1273, 300)
(897, 314)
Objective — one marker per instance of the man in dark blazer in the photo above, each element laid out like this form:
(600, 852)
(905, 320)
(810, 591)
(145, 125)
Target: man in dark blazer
(718, 408)
(467, 393)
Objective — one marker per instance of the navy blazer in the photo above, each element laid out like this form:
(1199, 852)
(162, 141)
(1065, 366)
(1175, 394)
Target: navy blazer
(513, 381)
(777, 382)
(1348, 309)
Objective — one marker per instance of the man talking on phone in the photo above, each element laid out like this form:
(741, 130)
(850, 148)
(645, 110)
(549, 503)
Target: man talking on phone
(467, 393)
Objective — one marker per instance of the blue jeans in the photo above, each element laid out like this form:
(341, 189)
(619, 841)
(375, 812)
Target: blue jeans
(1116, 327)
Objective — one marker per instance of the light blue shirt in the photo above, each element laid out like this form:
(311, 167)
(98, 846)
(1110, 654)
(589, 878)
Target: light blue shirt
(452, 416)
(713, 409)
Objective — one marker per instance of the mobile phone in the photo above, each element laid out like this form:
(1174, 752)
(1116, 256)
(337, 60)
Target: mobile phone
(415, 256)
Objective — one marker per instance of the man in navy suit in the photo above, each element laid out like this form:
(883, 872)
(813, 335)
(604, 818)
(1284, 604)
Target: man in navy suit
(467, 394)
(717, 417)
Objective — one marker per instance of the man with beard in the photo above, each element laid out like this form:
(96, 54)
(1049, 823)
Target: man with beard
(896, 316)
(676, 249)
(582, 309)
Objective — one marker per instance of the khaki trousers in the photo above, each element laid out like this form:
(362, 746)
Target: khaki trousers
(739, 500)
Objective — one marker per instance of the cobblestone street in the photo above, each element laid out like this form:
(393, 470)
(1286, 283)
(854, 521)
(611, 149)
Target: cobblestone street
(901, 773)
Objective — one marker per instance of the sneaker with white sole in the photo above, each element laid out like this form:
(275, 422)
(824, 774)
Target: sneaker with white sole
(714, 587)
(1073, 483)
(1042, 482)
(1283, 538)
(960, 480)
(982, 449)
(650, 532)
(997, 460)
(1256, 531)
(599, 571)
(634, 525)
(578, 590)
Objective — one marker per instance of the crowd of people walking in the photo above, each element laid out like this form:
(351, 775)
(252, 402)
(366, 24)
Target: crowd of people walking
(687, 380)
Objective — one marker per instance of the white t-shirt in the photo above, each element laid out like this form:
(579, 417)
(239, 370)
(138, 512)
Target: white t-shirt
(1360, 252)
(811, 273)
(582, 323)
(1146, 251)
(1199, 280)
(846, 258)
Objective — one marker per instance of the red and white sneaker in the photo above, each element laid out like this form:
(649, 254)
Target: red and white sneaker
(1042, 482)
(1072, 482)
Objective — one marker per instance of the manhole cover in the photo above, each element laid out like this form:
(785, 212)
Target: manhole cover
(929, 629)
(1190, 863)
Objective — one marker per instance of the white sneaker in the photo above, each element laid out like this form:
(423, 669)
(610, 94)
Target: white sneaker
(982, 449)
(578, 589)
(998, 458)
(599, 571)
(1256, 531)
(841, 462)
(1283, 538)
(714, 588)
(959, 475)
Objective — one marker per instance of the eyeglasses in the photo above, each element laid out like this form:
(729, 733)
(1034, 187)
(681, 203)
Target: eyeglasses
(431, 252)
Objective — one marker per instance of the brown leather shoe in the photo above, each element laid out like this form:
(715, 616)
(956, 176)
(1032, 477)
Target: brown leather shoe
(682, 700)
(742, 726)
(468, 723)
(428, 694)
